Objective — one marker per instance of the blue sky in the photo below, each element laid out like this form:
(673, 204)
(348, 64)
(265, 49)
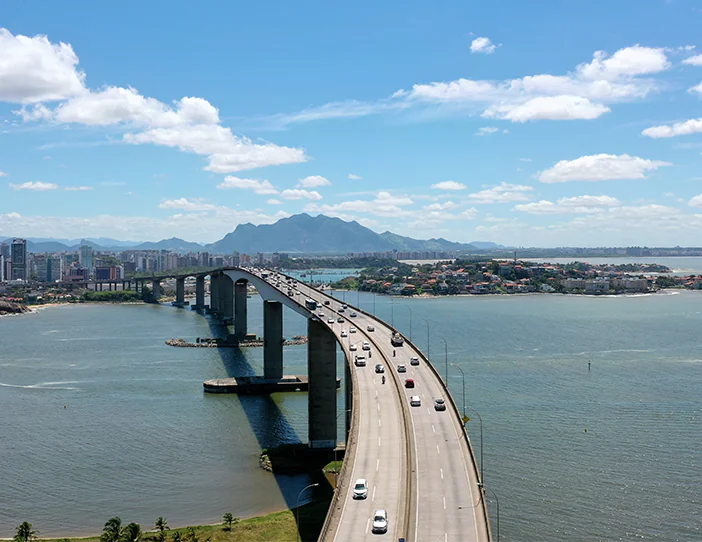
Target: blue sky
(523, 123)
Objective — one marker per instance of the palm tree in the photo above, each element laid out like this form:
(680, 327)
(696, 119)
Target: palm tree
(112, 530)
(162, 525)
(176, 537)
(25, 532)
(131, 533)
(228, 519)
(192, 535)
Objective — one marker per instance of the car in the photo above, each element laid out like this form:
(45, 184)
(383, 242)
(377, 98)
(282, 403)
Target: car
(415, 401)
(342, 309)
(344, 306)
(439, 404)
(401, 369)
(414, 360)
(344, 333)
(340, 320)
(330, 321)
(353, 348)
(326, 302)
(366, 345)
(353, 315)
(320, 314)
(379, 368)
(370, 328)
(360, 489)
(360, 361)
(380, 521)
(352, 330)
(409, 383)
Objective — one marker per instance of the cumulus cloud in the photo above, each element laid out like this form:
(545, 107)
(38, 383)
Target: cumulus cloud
(448, 185)
(697, 200)
(627, 62)
(274, 201)
(259, 187)
(32, 69)
(3, 174)
(692, 126)
(482, 45)
(697, 89)
(600, 167)
(355, 177)
(487, 130)
(313, 181)
(503, 193)
(300, 194)
(37, 186)
(441, 206)
(470, 214)
(384, 204)
(548, 108)
(186, 204)
(574, 205)
(694, 60)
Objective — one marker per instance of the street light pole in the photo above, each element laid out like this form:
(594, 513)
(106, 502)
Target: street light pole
(463, 375)
(427, 323)
(446, 361)
(297, 509)
(498, 510)
(480, 419)
(392, 312)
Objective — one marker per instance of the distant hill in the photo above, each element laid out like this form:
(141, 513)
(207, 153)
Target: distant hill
(174, 243)
(308, 234)
(486, 245)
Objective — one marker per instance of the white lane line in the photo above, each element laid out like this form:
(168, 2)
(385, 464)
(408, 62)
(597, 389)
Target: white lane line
(428, 411)
(445, 537)
(380, 424)
(378, 407)
(437, 450)
(442, 473)
(373, 497)
(378, 441)
(444, 503)
(376, 393)
(433, 428)
(377, 465)
(367, 525)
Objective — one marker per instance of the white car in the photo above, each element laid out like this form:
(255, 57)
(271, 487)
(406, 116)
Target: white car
(352, 330)
(353, 348)
(380, 521)
(320, 314)
(414, 360)
(370, 328)
(330, 321)
(360, 361)
(360, 489)
(344, 333)
(415, 401)
(366, 345)
(401, 369)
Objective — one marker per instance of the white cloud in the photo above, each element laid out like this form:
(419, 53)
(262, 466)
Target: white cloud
(626, 62)
(259, 187)
(600, 167)
(274, 201)
(355, 177)
(448, 185)
(186, 204)
(574, 205)
(697, 200)
(32, 69)
(313, 181)
(487, 130)
(35, 186)
(692, 126)
(482, 45)
(78, 188)
(441, 206)
(470, 214)
(300, 194)
(548, 108)
(503, 193)
(384, 204)
(697, 88)
(694, 60)
(3, 174)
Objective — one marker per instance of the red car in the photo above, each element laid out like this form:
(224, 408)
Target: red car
(409, 383)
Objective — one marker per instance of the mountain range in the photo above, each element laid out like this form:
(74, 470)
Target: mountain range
(300, 233)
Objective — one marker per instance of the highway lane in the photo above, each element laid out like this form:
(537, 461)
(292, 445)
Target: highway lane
(380, 456)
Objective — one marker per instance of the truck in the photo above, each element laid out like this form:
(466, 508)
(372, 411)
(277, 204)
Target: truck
(397, 339)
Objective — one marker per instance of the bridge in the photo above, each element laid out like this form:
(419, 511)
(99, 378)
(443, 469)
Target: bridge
(418, 460)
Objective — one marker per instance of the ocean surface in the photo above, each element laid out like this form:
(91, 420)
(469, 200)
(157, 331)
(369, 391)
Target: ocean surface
(98, 417)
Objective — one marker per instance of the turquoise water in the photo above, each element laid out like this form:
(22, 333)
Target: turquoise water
(139, 439)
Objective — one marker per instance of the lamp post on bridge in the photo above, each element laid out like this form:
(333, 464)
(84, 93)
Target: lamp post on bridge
(498, 509)
(427, 323)
(297, 509)
(446, 361)
(410, 321)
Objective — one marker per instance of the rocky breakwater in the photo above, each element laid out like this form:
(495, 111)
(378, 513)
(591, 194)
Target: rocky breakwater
(223, 343)
(7, 307)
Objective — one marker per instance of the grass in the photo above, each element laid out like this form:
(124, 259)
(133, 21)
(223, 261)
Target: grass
(333, 467)
(275, 527)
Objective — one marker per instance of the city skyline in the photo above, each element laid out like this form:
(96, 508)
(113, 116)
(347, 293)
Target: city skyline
(452, 122)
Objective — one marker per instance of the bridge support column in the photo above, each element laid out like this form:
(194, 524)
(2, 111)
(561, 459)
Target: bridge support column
(240, 310)
(272, 339)
(199, 293)
(155, 289)
(321, 370)
(226, 299)
(180, 292)
(214, 293)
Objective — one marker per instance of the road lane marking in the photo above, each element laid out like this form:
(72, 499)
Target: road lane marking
(378, 407)
(444, 503)
(373, 497)
(433, 428)
(445, 537)
(379, 423)
(442, 473)
(378, 441)
(376, 393)
(367, 525)
(437, 450)
(377, 465)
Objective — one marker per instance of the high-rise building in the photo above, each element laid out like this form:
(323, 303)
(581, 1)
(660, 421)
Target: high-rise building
(2, 268)
(49, 268)
(236, 260)
(85, 257)
(19, 259)
(5, 250)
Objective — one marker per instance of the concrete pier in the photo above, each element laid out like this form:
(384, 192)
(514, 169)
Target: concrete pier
(226, 299)
(321, 370)
(214, 293)
(199, 293)
(155, 289)
(240, 310)
(180, 292)
(272, 339)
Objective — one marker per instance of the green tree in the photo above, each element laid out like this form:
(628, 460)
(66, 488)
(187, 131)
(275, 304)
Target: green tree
(25, 532)
(162, 526)
(228, 520)
(175, 537)
(131, 533)
(112, 530)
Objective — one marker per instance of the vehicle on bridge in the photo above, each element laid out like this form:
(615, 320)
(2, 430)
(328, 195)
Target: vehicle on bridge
(401, 368)
(414, 360)
(370, 328)
(439, 404)
(397, 339)
(415, 400)
(360, 489)
(366, 345)
(360, 361)
(379, 368)
(310, 304)
(380, 521)
(409, 383)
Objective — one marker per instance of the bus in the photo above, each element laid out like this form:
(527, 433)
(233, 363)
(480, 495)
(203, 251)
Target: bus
(310, 304)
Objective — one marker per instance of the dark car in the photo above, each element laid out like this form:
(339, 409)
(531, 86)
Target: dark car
(409, 383)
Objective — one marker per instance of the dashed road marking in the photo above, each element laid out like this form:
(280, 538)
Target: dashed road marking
(442, 473)
(367, 525)
(437, 450)
(433, 428)
(444, 503)
(373, 497)
(378, 441)
(377, 465)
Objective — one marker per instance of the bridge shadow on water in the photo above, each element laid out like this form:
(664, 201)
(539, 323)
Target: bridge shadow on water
(271, 428)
